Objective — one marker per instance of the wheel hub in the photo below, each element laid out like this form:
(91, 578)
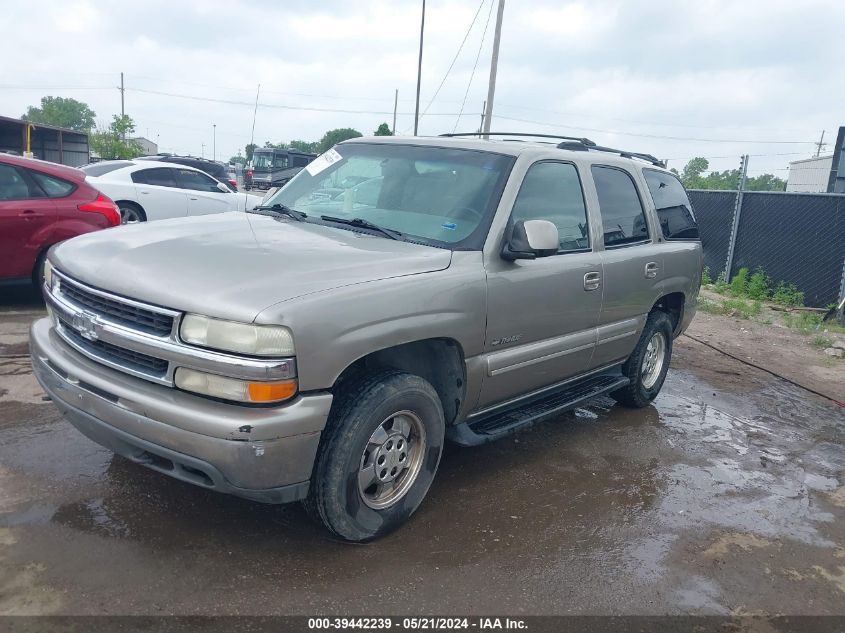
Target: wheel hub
(391, 458)
(653, 359)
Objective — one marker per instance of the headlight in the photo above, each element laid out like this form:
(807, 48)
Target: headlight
(48, 274)
(233, 389)
(255, 340)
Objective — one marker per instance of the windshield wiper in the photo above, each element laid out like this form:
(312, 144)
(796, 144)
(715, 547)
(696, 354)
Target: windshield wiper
(364, 224)
(282, 210)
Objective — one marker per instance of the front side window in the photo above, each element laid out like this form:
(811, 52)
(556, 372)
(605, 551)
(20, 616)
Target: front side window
(674, 210)
(53, 187)
(552, 191)
(197, 181)
(622, 214)
(440, 196)
(159, 176)
(269, 160)
(13, 186)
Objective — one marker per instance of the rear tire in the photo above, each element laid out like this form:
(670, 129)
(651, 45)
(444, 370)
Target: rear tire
(131, 213)
(647, 365)
(379, 454)
(38, 271)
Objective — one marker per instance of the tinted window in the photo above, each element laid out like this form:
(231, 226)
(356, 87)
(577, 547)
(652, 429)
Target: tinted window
(100, 169)
(13, 186)
(552, 191)
(674, 210)
(53, 187)
(159, 176)
(197, 181)
(621, 210)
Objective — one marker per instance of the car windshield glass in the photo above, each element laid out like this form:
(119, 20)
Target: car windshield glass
(269, 160)
(101, 169)
(437, 195)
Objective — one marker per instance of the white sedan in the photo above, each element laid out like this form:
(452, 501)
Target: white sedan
(145, 191)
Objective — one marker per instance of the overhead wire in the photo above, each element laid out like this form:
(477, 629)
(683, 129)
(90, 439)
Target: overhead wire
(474, 66)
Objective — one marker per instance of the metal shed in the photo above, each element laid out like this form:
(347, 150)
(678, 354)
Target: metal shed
(47, 142)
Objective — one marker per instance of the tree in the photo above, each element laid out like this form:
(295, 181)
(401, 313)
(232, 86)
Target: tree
(112, 143)
(333, 137)
(693, 176)
(383, 130)
(310, 147)
(248, 150)
(62, 112)
(238, 159)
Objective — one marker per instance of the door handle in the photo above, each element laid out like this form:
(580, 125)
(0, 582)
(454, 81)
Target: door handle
(145, 193)
(29, 213)
(592, 281)
(193, 198)
(651, 270)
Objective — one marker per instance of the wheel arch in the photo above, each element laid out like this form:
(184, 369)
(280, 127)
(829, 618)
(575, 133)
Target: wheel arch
(132, 203)
(440, 361)
(673, 305)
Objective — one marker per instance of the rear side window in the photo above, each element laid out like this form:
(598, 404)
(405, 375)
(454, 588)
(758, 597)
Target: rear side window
(159, 176)
(677, 221)
(13, 185)
(552, 191)
(53, 187)
(101, 169)
(622, 213)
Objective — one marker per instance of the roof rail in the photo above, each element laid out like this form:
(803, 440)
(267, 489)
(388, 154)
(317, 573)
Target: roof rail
(571, 143)
(583, 141)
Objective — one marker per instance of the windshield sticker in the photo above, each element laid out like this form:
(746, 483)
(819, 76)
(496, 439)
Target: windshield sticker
(449, 225)
(323, 161)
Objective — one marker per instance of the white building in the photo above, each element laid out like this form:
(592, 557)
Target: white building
(150, 148)
(809, 175)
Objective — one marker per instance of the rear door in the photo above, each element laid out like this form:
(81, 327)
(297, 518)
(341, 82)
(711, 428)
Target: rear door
(26, 219)
(633, 263)
(159, 193)
(204, 196)
(542, 313)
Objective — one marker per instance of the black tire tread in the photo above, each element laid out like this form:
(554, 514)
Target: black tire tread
(632, 394)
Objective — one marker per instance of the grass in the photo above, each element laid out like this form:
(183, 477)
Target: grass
(731, 307)
(804, 322)
(820, 340)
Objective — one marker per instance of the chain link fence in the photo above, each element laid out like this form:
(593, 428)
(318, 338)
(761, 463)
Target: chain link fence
(795, 237)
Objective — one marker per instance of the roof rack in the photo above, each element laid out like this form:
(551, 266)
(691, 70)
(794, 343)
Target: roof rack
(571, 143)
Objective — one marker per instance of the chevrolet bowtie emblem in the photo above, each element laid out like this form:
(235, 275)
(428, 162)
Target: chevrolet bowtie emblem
(86, 324)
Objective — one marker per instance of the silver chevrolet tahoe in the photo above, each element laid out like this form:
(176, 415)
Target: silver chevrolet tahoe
(396, 293)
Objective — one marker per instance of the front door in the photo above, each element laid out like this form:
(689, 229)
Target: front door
(159, 193)
(204, 195)
(542, 313)
(27, 216)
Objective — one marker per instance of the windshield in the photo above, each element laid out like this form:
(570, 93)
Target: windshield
(438, 195)
(269, 160)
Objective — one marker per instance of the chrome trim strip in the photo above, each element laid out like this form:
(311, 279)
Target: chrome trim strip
(114, 297)
(177, 354)
(541, 391)
(534, 352)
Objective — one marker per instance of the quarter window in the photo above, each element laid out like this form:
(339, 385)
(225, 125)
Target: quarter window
(159, 176)
(622, 213)
(677, 220)
(552, 191)
(53, 187)
(13, 186)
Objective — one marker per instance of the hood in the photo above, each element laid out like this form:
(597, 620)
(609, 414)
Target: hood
(234, 265)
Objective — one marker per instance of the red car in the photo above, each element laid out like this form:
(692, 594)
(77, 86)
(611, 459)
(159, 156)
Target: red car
(41, 204)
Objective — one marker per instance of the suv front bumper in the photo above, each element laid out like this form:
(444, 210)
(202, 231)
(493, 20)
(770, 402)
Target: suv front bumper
(264, 454)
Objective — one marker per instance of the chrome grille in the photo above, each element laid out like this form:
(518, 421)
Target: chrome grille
(118, 355)
(120, 312)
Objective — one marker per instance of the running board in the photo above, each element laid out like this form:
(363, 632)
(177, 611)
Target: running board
(501, 423)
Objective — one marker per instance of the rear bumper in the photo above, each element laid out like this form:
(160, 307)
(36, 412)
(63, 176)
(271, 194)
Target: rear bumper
(260, 454)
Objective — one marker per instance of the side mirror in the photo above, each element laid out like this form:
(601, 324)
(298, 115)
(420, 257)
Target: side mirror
(530, 239)
(223, 188)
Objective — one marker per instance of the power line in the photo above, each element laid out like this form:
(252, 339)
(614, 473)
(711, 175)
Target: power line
(474, 66)
(276, 105)
(454, 59)
(657, 136)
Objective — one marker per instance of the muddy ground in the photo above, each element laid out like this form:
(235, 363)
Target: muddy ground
(727, 496)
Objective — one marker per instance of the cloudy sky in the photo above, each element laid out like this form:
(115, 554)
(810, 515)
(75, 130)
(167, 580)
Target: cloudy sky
(714, 78)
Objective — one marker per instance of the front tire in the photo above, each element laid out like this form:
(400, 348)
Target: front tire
(131, 213)
(648, 364)
(378, 457)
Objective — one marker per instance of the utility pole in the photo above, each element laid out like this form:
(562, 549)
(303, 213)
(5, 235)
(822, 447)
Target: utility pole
(202, 151)
(254, 114)
(419, 71)
(395, 104)
(483, 110)
(740, 186)
(214, 141)
(820, 145)
(122, 90)
(494, 62)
